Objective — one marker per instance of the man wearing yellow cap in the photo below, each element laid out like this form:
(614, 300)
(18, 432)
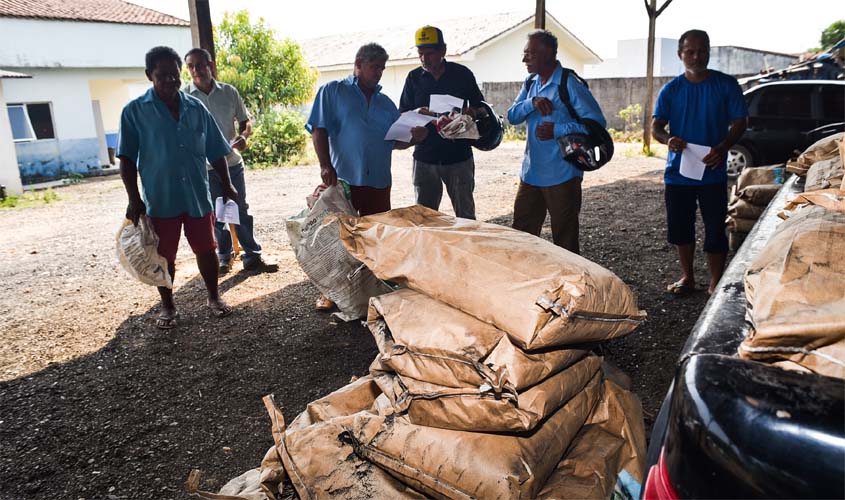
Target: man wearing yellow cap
(439, 161)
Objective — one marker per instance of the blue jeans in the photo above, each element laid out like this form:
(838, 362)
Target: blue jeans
(246, 239)
(459, 179)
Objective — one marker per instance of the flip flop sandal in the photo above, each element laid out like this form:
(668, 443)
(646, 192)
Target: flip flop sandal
(324, 303)
(166, 323)
(680, 288)
(221, 311)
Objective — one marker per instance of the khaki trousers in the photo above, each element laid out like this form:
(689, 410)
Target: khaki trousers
(563, 203)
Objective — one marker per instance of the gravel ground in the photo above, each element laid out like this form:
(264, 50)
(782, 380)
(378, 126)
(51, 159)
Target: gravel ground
(98, 403)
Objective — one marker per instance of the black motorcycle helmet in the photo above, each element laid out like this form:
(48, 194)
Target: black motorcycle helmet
(587, 152)
(489, 127)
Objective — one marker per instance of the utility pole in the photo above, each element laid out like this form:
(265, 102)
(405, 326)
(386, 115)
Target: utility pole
(201, 33)
(540, 15)
(653, 12)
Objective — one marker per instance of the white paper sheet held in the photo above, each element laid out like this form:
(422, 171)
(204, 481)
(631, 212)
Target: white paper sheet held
(226, 213)
(691, 165)
(443, 103)
(401, 128)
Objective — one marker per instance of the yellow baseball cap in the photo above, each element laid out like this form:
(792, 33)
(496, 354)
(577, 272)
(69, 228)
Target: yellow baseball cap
(429, 36)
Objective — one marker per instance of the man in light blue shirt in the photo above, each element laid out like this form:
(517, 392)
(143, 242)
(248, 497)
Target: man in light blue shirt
(548, 182)
(348, 122)
(166, 137)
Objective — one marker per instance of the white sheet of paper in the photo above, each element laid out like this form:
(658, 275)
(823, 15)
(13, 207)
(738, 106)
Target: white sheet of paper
(401, 128)
(691, 165)
(443, 103)
(226, 213)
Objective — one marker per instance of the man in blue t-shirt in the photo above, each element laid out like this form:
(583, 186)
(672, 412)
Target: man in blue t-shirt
(706, 108)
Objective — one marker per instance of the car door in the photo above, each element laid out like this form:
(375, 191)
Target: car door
(780, 115)
(830, 111)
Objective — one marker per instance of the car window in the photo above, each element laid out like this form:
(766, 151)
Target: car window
(833, 103)
(786, 101)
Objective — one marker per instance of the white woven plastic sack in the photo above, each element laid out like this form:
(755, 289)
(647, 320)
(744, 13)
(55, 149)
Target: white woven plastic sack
(137, 250)
(319, 251)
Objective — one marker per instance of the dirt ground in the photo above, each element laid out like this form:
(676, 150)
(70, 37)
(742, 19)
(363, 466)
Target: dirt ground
(95, 402)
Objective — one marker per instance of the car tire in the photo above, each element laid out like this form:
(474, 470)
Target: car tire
(739, 158)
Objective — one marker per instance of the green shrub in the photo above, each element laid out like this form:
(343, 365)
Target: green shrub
(277, 138)
(30, 199)
(512, 133)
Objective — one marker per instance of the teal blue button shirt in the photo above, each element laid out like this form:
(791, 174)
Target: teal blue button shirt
(171, 156)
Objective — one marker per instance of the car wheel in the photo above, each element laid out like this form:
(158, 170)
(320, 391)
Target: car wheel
(739, 158)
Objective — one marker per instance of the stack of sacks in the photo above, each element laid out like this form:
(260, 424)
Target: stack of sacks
(823, 149)
(823, 185)
(483, 386)
(796, 294)
(755, 187)
(827, 173)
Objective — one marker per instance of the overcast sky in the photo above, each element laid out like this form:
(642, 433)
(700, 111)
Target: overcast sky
(767, 25)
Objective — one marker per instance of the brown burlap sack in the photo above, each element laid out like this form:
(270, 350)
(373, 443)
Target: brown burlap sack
(424, 339)
(318, 462)
(831, 199)
(824, 174)
(758, 194)
(612, 441)
(823, 149)
(464, 465)
(752, 176)
(741, 225)
(796, 293)
(540, 294)
(485, 409)
(742, 209)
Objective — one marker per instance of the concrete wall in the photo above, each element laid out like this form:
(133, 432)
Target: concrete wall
(741, 61)
(502, 61)
(34, 43)
(630, 61)
(9, 174)
(612, 94)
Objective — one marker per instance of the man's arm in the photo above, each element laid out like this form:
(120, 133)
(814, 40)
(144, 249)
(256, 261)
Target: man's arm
(222, 168)
(658, 131)
(129, 176)
(244, 131)
(320, 138)
(521, 108)
(718, 153)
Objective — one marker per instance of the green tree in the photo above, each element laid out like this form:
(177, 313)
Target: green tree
(832, 34)
(266, 71)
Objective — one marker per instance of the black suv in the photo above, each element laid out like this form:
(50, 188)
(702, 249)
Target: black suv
(787, 116)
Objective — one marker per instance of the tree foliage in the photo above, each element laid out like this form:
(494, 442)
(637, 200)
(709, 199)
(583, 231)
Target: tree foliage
(832, 34)
(266, 71)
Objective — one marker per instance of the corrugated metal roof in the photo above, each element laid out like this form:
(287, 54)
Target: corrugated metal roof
(104, 11)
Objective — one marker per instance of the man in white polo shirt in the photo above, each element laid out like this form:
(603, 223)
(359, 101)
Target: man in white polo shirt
(226, 106)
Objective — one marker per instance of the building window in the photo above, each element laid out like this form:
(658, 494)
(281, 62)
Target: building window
(31, 121)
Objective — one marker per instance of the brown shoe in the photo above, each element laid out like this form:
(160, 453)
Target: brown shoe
(324, 303)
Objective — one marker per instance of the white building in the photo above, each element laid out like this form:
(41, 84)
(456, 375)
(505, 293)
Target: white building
(630, 61)
(86, 60)
(491, 46)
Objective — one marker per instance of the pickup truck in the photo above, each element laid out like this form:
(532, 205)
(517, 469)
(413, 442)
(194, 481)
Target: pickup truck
(731, 428)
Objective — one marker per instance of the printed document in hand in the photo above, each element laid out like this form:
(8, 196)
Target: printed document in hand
(401, 128)
(444, 103)
(691, 165)
(226, 213)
